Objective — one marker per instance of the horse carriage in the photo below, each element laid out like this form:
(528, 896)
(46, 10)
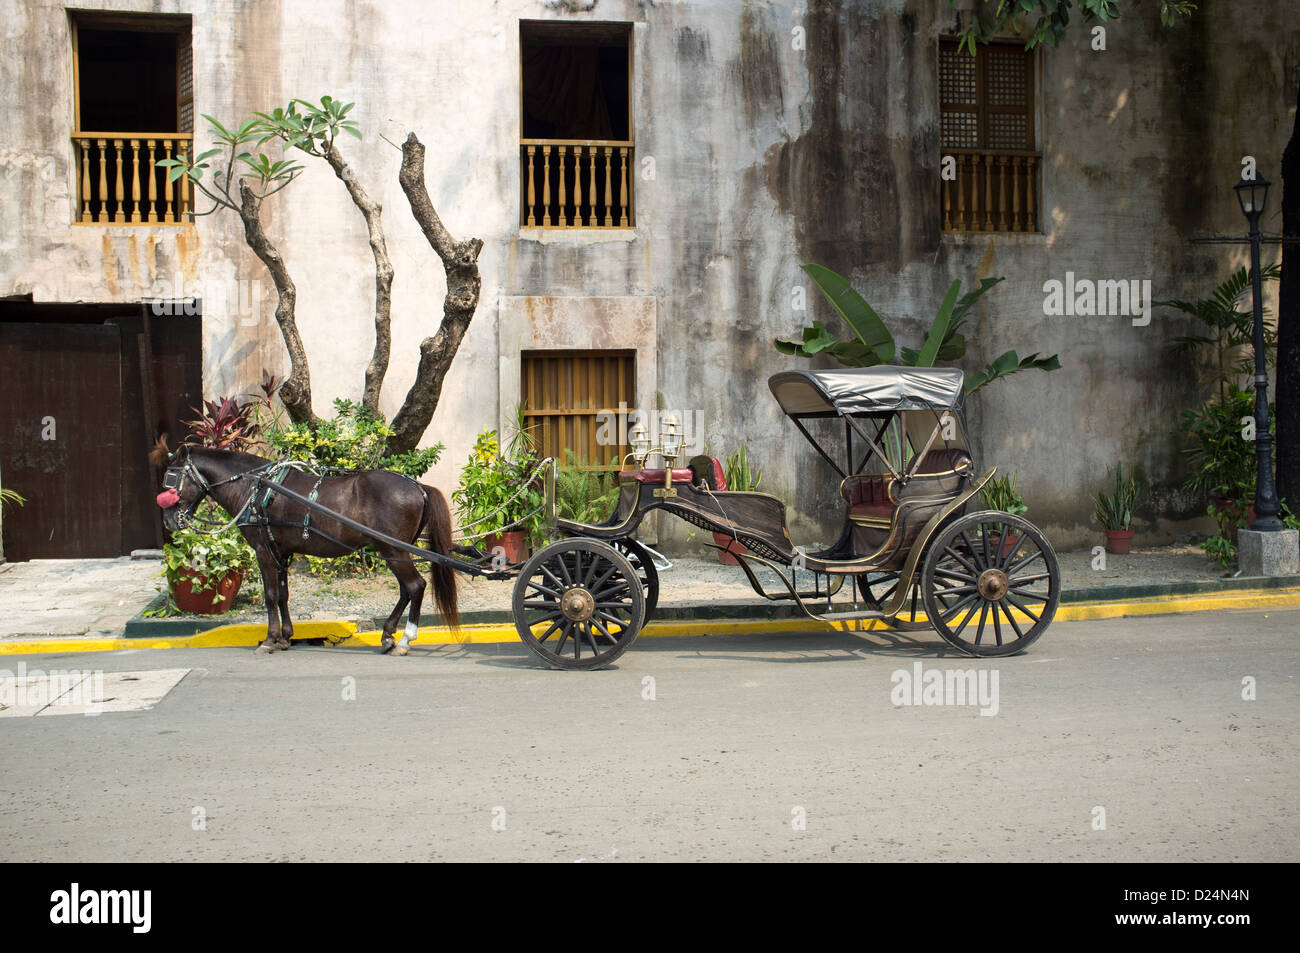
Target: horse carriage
(913, 553)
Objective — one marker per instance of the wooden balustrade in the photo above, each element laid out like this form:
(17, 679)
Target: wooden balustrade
(558, 167)
(120, 182)
(992, 191)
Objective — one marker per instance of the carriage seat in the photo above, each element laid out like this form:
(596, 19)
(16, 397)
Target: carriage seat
(943, 460)
(680, 475)
(869, 499)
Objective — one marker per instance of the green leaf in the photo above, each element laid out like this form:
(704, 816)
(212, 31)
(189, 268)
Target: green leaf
(221, 130)
(939, 329)
(351, 129)
(859, 315)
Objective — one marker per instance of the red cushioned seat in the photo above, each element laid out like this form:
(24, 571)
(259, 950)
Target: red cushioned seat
(680, 475)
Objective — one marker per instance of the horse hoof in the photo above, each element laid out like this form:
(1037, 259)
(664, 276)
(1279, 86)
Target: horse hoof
(263, 649)
(284, 645)
(387, 645)
(400, 649)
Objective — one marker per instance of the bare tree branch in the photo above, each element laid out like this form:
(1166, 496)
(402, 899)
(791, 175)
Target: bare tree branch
(460, 261)
(296, 390)
(371, 211)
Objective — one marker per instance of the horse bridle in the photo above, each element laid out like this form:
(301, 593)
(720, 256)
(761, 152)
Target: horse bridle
(174, 479)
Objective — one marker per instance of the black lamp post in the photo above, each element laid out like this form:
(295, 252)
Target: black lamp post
(1252, 194)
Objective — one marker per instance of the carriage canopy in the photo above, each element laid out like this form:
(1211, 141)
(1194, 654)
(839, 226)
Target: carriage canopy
(867, 390)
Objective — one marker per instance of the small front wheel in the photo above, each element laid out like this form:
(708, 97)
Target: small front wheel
(578, 604)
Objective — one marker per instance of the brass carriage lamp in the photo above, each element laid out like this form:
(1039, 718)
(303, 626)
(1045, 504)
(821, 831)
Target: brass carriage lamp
(640, 444)
(670, 435)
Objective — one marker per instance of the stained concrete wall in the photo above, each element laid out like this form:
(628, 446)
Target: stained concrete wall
(767, 151)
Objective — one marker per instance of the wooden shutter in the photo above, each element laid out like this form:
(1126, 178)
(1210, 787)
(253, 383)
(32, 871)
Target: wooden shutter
(564, 391)
(184, 83)
(986, 101)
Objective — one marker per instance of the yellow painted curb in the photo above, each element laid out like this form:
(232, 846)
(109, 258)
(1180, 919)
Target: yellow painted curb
(345, 633)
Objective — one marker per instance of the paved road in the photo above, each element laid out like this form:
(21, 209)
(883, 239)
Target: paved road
(762, 747)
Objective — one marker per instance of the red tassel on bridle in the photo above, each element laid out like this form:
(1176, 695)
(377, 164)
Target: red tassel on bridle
(168, 498)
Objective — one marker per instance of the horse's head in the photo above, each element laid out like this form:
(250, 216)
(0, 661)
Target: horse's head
(184, 488)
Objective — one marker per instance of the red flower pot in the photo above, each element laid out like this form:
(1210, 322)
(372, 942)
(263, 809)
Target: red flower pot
(1119, 541)
(193, 593)
(1004, 545)
(514, 544)
(732, 546)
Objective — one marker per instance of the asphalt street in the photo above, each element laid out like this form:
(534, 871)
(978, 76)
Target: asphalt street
(1168, 738)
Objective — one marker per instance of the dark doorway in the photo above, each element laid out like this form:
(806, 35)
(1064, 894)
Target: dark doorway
(74, 435)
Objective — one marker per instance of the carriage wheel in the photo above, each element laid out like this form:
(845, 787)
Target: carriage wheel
(644, 567)
(578, 604)
(991, 583)
(882, 586)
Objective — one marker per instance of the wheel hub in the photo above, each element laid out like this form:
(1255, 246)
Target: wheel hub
(577, 605)
(992, 584)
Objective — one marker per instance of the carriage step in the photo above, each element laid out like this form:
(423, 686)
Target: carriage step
(848, 615)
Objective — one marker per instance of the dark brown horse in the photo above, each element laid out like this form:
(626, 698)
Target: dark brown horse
(278, 528)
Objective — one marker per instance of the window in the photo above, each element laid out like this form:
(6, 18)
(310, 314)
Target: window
(575, 146)
(563, 394)
(134, 107)
(986, 109)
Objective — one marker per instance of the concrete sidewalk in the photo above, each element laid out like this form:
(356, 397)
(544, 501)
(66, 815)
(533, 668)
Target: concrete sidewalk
(74, 597)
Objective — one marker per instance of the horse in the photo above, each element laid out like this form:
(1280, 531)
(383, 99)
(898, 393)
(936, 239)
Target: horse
(388, 502)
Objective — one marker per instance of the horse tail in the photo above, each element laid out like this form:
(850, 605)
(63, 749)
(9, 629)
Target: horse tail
(437, 519)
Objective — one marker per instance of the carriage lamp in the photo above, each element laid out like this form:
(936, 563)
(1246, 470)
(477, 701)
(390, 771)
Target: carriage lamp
(670, 433)
(640, 444)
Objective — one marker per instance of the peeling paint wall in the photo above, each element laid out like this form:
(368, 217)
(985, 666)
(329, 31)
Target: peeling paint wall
(781, 132)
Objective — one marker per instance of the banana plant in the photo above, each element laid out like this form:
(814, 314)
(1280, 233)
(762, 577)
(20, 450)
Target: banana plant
(874, 344)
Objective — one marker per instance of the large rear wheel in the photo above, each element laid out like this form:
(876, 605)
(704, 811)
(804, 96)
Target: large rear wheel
(991, 583)
(578, 604)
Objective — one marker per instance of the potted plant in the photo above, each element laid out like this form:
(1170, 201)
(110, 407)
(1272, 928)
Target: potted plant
(1115, 513)
(493, 500)
(740, 475)
(1000, 494)
(204, 571)
(1223, 460)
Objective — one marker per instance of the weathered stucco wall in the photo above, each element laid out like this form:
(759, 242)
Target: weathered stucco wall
(781, 133)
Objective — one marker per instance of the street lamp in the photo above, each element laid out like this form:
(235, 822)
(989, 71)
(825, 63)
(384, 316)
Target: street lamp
(1251, 195)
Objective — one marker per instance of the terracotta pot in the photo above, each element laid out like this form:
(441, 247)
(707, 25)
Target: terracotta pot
(192, 593)
(733, 546)
(514, 543)
(1119, 541)
(1005, 545)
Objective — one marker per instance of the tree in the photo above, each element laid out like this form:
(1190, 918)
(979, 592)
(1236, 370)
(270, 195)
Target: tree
(314, 130)
(1050, 18)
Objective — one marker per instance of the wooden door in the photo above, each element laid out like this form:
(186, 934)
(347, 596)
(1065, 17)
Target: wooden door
(61, 439)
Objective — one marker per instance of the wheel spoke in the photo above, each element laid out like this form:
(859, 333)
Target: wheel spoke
(593, 587)
(1020, 605)
(950, 574)
(965, 621)
(564, 636)
(622, 586)
(1014, 549)
(984, 611)
(973, 565)
(544, 590)
(1012, 619)
(547, 635)
(536, 620)
(1025, 562)
(952, 609)
(1036, 577)
(591, 638)
(551, 576)
(997, 623)
(954, 590)
(564, 570)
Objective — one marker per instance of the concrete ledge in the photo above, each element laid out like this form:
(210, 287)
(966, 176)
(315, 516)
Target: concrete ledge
(1269, 554)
